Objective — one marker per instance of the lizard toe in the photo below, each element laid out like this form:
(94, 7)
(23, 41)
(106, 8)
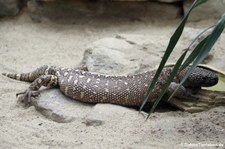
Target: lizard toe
(26, 97)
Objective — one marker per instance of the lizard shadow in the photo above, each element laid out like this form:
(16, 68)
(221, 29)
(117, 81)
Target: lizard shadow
(162, 107)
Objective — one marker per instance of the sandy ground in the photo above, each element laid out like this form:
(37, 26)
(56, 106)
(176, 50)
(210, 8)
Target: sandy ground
(26, 45)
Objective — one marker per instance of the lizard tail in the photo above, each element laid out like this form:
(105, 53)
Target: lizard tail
(30, 76)
(21, 77)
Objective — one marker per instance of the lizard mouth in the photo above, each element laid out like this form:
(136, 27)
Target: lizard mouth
(211, 81)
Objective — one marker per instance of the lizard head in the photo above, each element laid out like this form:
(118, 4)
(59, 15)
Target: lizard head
(201, 77)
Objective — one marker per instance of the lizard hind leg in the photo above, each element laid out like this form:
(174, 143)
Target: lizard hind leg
(33, 90)
(26, 96)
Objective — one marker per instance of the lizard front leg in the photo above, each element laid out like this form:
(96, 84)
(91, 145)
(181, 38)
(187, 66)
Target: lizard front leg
(83, 67)
(182, 92)
(32, 91)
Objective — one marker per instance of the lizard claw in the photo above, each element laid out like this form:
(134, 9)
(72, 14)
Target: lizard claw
(17, 94)
(26, 96)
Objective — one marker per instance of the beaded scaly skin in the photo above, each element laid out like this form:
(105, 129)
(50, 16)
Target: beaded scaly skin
(82, 85)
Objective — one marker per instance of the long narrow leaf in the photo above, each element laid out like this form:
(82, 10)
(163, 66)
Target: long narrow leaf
(207, 47)
(197, 49)
(190, 59)
(197, 3)
(168, 82)
(194, 53)
(199, 35)
(172, 43)
(176, 69)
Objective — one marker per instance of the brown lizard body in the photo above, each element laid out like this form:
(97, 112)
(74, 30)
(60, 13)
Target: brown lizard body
(82, 85)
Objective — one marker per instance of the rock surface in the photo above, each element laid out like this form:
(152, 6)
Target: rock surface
(111, 55)
(169, 1)
(9, 7)
(212, 9)
(71, 11)
(137, 52)
(140, 52)
(102, 113)
(57, 107)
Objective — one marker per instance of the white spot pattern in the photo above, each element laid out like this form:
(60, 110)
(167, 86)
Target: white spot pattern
(81, 76)
(39, 81)
(18, 77)
(75, 82)
(66, 90)
(65, 74)
(70, 78)
(88, 80)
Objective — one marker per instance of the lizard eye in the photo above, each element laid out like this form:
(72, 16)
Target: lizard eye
(204, 78)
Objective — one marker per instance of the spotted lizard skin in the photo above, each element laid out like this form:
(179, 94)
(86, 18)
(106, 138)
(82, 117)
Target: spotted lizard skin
(85, 86)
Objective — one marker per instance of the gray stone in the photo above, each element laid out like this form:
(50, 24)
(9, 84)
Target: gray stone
(96, 116)
(118, 56)
(169, 1)
(127, 54)
(218, 63)
(102, 113)
(74, 11)
(212, 9)
(57, 107)
(9, 7)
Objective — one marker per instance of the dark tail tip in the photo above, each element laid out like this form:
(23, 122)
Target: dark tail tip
(4, 74)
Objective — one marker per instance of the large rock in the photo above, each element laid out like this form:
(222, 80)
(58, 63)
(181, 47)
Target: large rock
(102, 113)
(9, 7)
(169, 1)
(57, 107)
(212, 9)
(71, 11)
(131, 53)
(118, 56)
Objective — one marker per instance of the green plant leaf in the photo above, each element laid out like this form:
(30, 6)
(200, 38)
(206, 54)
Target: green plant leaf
(168, 82)
(197, 49)
(207, 47)
(194, 53)
(199, 35)
(197, 3)
(172, 43)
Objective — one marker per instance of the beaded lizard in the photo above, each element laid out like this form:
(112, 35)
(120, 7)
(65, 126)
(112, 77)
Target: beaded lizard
(82, 85)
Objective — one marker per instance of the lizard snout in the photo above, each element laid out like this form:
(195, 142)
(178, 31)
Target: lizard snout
(209, 79)
(212, 80)
(201, 77)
